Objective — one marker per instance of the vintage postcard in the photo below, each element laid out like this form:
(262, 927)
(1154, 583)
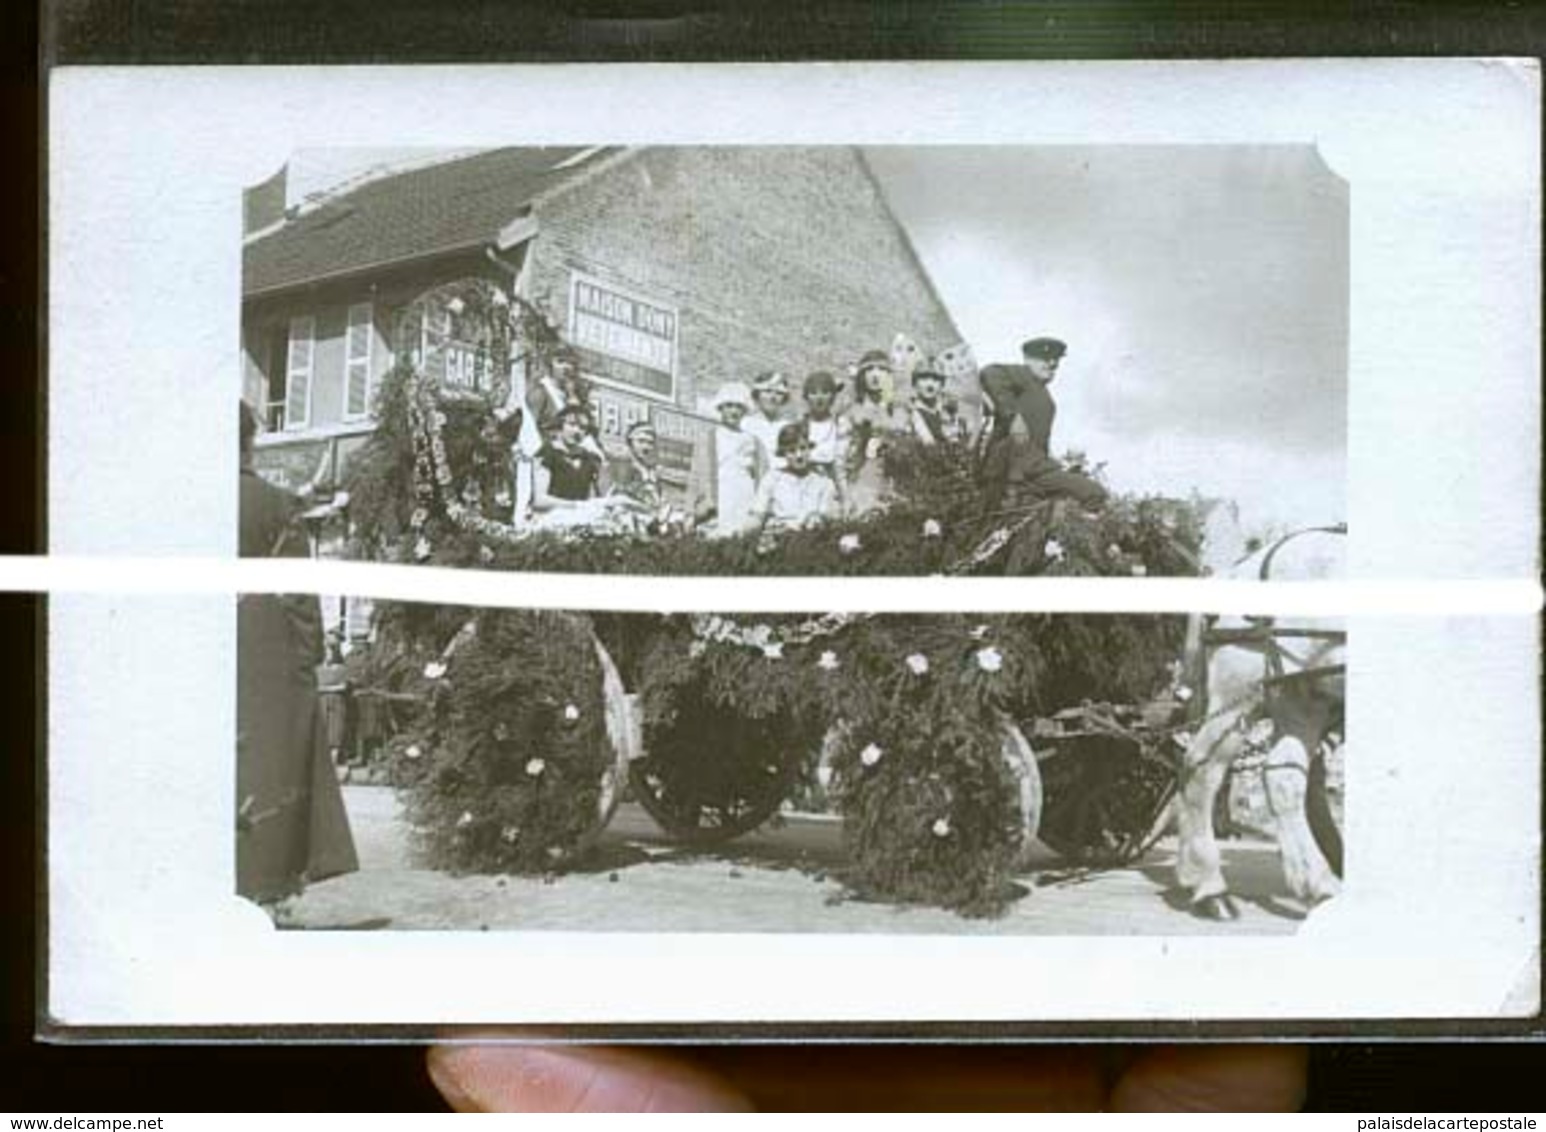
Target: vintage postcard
(720, 558)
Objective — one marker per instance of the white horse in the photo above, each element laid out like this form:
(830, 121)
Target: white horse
(1287, 669)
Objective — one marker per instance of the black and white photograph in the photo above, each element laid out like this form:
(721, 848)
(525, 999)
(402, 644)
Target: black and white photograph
(1021, 360)
(474, 769)
(1068, 529)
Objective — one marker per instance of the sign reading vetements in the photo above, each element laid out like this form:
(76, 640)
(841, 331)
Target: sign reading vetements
(623, 340)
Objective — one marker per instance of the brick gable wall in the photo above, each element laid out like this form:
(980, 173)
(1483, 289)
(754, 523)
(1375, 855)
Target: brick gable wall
(775, 257)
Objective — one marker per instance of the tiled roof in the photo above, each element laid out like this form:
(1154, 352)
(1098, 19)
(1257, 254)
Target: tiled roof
(405, 216)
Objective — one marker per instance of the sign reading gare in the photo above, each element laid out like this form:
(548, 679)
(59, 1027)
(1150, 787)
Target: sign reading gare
(623, 340)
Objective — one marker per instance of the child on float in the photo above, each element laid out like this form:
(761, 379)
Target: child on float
(740, 458)
(794, 494)
(828, 431)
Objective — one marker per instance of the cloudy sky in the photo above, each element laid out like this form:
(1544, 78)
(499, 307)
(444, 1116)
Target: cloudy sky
(1203, 292)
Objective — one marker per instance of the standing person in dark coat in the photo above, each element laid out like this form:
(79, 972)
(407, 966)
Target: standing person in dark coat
(1021, 391)
(291, 827)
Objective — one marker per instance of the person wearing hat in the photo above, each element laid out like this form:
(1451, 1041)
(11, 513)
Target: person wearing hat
(770, 395)
(873, 417)
(291, 826)
(638, 476)
(931, 416)
(568, 472)
(1021, 391)
(795, 494)
(829, 431)
(740, 460)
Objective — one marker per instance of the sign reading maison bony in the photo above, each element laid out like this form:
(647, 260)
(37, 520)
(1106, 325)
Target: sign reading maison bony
(622, 339)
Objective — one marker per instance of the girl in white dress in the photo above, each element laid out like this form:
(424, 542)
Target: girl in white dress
(830, 433)
(740, 460)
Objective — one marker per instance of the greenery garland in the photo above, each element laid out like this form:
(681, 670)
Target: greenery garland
(914, 708)
(433, 486)
(504, 766)
(502, 769)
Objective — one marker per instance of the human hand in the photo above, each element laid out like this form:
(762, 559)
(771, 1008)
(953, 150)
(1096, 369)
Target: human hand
(1197, 1078)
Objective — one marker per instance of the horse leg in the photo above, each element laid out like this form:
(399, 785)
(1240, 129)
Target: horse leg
(1198, 870)
(1287, 774)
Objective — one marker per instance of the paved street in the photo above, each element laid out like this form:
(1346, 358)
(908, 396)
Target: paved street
(776, 880)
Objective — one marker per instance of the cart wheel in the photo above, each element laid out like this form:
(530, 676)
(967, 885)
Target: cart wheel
(719, 777)
(1104, 799)
(623, 731)
(699, 811)
(1319, 812)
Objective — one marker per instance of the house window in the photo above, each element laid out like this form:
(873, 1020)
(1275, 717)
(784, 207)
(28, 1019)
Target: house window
(357, 368)
(292, 397)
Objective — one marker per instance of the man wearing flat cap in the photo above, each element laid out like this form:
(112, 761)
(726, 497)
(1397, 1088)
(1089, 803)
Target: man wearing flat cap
(638, 476)
(1022, 391)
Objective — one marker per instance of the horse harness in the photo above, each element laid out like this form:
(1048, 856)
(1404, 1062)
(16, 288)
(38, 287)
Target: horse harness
(1262, 634)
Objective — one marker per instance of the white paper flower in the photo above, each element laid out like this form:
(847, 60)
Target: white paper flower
(465, 819)
(456, 306)
(1053, 550)
(849, 544)
(1183, 693)
(870, 755)
(1140, 570)
(774, 650)
(434, 670)
(419, 517)
(1114, 550)
(509, 834)
(759, 635)
(979, 633)
(500, 299)
(697, 649)
(414, 751)
(485, 554)
(501, 732)
(828, 661)
(990, 659)
(932, 529)
(421, 549)
(941, 827)
(571, 713)
(918, 663)
(535, 767)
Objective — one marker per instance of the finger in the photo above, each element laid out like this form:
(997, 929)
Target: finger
(896, 1078)
(1261, 1078)
(531, 1078)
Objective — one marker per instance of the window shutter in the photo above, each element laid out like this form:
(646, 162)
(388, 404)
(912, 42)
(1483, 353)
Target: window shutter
(357, 375)
(298, 373)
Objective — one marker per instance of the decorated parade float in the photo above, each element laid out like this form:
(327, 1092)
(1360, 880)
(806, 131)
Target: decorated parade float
(946, 742)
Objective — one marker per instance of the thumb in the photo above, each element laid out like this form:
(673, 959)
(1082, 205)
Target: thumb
(532, 1078)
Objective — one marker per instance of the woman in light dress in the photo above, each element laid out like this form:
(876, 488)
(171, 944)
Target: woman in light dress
(873, 418)
(741, 460)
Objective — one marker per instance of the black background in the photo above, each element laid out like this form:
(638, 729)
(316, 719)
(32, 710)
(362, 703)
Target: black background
(1345, 1076)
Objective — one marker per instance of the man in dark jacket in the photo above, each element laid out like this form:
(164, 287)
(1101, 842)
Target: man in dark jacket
(1021, 391)
(290, 818)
